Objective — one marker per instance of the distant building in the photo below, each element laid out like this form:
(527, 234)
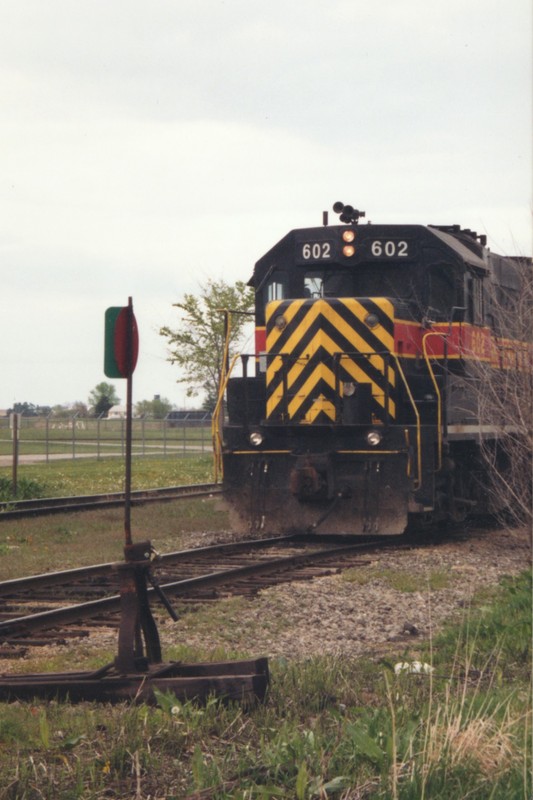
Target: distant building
(117, 412)
(177, 418)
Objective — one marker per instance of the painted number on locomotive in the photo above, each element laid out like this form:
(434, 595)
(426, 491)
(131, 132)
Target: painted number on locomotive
(389, 248)
(316, 251)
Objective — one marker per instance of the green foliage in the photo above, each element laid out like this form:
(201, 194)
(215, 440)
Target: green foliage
(29, 409)
(102, 398)
(157, 408)
(495, 636)
(197, 345)
(27, 489)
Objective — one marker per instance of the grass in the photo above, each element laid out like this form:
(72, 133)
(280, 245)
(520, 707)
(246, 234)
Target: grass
(331, 728)
(60, 541)
(400, 580)
(80, 476)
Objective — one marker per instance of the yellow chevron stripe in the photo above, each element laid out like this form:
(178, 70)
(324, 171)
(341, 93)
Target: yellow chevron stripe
(321, 340)
(289, 313)
(321, 405)
(378, 362)
(322, 307)
(320, 372)
(359, 311)
(323, 372)
(296, 335)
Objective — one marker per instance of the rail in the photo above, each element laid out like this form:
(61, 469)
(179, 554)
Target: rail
(56, 505)
(282, 565)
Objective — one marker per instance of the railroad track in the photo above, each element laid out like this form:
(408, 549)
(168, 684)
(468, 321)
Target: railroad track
(56, 505)
(42, 609)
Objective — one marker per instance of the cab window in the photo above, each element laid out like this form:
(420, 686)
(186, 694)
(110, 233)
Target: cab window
(474, 299)
(277, 287)
(441, 291)
(314, 285)
(327, 283)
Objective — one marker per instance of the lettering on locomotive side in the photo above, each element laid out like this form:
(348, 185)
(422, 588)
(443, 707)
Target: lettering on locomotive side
(479, 343)
(315, 251)
(389, 248)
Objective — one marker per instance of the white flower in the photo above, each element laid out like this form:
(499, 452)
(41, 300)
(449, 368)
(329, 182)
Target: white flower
(415, 667)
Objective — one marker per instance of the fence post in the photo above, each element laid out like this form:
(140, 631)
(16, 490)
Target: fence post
(47, 436)
(73, 420)
(15, 434)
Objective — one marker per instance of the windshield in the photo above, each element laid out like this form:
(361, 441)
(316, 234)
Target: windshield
(364, 281)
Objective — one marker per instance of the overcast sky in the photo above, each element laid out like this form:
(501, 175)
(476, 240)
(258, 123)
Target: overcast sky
(146, 146)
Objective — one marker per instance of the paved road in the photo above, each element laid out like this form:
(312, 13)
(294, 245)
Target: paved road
(38, 458)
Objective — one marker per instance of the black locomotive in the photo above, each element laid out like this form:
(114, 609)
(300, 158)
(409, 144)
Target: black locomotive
(358, 412)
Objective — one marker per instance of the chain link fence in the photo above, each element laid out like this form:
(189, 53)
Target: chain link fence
(46, 438)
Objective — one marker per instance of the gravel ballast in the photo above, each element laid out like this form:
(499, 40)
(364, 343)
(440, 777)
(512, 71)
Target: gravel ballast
(365, 616)
(330, 615)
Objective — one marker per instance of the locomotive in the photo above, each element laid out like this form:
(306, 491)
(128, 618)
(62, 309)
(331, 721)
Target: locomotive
(357, 412)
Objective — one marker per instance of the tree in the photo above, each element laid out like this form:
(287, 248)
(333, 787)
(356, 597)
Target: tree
(61, 411)
(102, 398)
(157, 408)
(197, 345)
(503, 395)
(79, 408)
(67, 410)
(29, 410)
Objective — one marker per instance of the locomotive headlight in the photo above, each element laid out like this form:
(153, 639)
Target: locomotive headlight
(280, 323)
(372, 320)
(348, 389)
(255, 438)
(374, 438)
(348, 236)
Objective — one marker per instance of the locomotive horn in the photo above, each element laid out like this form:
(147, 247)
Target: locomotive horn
(348, 213)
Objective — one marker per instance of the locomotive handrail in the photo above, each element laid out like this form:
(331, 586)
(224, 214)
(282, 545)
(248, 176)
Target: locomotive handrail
(437, 392)
(418, 481)
(215, 424)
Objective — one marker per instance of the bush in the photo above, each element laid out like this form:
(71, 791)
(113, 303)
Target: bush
(26, 490)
